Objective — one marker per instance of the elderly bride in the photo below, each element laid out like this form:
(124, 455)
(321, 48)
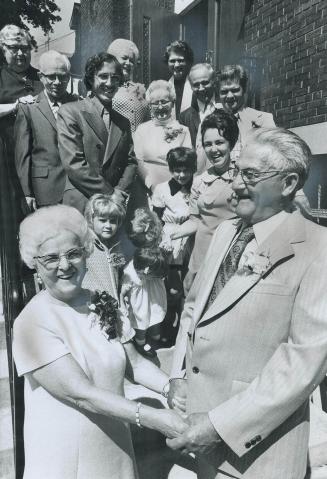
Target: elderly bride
(76, 416)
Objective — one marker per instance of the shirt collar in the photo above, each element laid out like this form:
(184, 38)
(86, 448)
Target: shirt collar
(175, 187)
(52, 102)
(202, 106)
(210, 176)
(98, 105)
(265, 228)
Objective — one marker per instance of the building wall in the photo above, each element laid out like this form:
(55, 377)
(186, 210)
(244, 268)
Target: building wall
(288, 40)
(101, 22)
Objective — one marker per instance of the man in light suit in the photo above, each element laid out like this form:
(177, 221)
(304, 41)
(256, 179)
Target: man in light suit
(179, 58)
(95, 142)
(233, 83)
(255, 326)
(37, 159)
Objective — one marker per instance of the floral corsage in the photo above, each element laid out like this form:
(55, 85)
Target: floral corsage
(117, 260)
(255, 263)
(172, 132)
(103, 309)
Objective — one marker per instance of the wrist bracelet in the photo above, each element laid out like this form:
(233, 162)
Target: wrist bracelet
(137, 415)
(165, 390)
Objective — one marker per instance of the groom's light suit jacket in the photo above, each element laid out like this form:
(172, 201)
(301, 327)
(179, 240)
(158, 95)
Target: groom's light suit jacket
(255, 356)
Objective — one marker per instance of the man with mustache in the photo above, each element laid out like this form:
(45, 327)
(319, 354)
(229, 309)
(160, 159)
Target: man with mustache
(254, 325)
(95, 142)
(38, 164)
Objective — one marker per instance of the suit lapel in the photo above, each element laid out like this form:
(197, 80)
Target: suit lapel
(43, 105)
(94, 120)
(115, 134)
(277, 247)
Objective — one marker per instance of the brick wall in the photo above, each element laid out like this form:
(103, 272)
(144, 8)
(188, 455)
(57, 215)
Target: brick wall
(288, 39)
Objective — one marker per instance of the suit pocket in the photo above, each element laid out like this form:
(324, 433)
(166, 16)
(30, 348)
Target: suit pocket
(272, 288)
(40, 171)
(238, 387)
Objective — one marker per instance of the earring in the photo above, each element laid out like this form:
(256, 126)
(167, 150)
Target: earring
(39, 279)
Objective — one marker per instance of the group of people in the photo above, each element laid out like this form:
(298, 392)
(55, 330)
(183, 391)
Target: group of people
(153, 209)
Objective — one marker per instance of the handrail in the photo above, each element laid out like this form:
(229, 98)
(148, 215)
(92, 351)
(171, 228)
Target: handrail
(14, 280)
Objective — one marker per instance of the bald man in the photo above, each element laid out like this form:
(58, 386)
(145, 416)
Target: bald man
(37, 158)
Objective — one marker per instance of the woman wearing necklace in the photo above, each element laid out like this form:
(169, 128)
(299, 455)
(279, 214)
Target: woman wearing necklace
(211, 192)
(67, 345)
(129, 100)
(153, 140)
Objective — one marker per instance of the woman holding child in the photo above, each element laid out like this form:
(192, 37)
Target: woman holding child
(74, 364)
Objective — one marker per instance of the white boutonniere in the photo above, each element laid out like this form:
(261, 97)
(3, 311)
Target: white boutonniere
(255, 263)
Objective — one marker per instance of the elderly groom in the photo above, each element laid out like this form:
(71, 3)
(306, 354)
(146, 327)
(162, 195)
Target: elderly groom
(255, 324)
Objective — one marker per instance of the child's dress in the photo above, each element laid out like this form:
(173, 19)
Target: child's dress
(104, 268)
(146, 303)
(176, 211)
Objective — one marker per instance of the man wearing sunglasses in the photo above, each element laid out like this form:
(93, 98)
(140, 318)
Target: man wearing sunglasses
(37, 159)
(254, 325)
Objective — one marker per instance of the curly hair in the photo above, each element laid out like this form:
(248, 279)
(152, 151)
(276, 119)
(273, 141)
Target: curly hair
(95, 63)
(48, 222)
(102, 204)
(181, 156)
(151, 261)
(145, 228)
(160, 85)
(182, 48)
(224, 122)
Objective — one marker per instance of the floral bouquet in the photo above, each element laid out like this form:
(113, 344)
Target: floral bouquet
(172, 132)
(103, 309)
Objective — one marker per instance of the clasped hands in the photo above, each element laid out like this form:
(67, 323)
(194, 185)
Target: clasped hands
(199, 436)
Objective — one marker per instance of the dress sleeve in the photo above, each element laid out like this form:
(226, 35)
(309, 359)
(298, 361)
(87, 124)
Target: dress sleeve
(37, 340)
(195, 194)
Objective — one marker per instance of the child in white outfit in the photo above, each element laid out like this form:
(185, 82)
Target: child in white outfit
(144, 296)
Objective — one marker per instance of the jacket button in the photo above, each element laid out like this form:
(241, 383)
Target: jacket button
(253, 442)
(247, 445)
(196, 370)
(258, 438)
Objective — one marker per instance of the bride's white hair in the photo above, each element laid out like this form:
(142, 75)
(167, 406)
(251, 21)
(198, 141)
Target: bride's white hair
(48, 222)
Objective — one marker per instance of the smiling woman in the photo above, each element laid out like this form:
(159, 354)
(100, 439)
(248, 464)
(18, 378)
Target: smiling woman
(74, 371)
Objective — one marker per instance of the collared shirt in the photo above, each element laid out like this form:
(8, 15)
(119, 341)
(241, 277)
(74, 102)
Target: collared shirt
(54, 105)
(262, 231)
(206, 109)
(103, 112)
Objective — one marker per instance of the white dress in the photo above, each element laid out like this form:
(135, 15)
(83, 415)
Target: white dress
(146, 303)
(176, 212)
(61, 442)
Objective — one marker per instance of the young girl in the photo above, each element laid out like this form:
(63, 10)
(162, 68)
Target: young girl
(171, 202)
(105, 214)
(144, 296)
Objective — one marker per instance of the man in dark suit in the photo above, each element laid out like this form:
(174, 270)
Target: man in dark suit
(95, 142)
(37, 160)
(201, 78)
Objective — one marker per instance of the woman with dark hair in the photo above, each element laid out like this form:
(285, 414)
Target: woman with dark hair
(95, 142)
(179, 59)
(211, 191)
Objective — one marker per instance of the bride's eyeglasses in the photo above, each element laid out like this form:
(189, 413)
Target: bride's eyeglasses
(52, 261)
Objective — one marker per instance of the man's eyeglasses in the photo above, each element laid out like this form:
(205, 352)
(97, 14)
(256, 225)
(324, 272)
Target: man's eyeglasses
(252, 177)
(104, 78)
(16, 48)
(52, 77)
(155, 104)
(204, 84)
(51, 261)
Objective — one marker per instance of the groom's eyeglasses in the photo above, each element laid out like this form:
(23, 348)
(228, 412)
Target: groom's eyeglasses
(252, 177)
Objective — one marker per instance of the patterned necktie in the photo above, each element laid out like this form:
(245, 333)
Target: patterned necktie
(55, 108)
(229, 266)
